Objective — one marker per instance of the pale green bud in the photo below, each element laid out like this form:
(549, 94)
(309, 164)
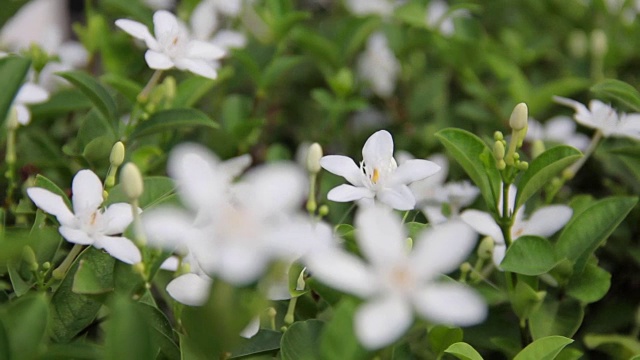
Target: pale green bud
(139, 268)
(12, 119)
(271, 312)
(314, 155)
(537, 148)
(323, 210)
(501, 164)
(599, 45)
(485, 249)
(29, 257)
(131, 181)
(578, 43)
(519, 117)
(409, 243)
(498, 136)
(169, 84)
(498, 150)
(523, 165)
(117, 154)
(465, 267)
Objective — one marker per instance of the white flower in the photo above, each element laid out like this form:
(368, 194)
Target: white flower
(88, 224)
(603, 117)
(28, 94)
(439, 18)
(378, 176)
(172, 45)
(40, 22)
(372, 7)
(544, 222)
(205, 21)
(378, 65)
(394, 282)
(559, 129)
(160, 4)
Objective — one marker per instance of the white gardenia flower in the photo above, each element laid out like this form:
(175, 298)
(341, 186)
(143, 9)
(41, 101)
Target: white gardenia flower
(378, 66)
(544, 222)
(28, 94)
(395, 282)
(558, 129)
(89, 224)
(604, 118)
(173, 46)
(378, 176)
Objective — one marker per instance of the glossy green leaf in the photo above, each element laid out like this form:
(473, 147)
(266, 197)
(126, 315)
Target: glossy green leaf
(338, 339)
(611, 89)
(92, 89)
(467, 149)
(61, 102)
(555, 317)
(173, 120)
(20, 286)
(546, 348)
(624, 346)
(26, 320)
(13, 70)
(301, 341)
(525, 300)
(47, 184)
(463, 351)
(128, 335)
(529, 255)
(441, 337)
(157, 190)
(588, 229)
(544, 168)
(95, 277)
(591, 285)
(193, 89)
(264, 341)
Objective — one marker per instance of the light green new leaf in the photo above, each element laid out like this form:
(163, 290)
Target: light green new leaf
(12, 72)
(463, 351)
(546, 348)
(61, 103)
(92, 89)
(467, 149)
(529, 255)
(618, 90)
(301, 341)
(588, 229)
(338, 339)
(173, 120)
(591, 285)
(543, 168)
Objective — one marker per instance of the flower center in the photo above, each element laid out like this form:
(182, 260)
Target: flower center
(376, 176)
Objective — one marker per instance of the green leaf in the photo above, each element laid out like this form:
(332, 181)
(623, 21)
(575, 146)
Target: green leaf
(546, 348)
(338, 339)
(263, 342)
(588, 229)
(193, 89)
(13, 70)
(94, 126)
(301, 341)
(529, 255)
(92, 89)
(623, 346)
(61, 103)
(172, 120)
(467, 149)
(441, 337)
(541, 98)
(20, 286)
(95, 277)
(556, 318)
(321, 50)
(26, 320)
(591, 285)
(125, 86)
(543, 168)
(611, 89)
(128, 335)
(161, 330)
(157, 189)
(99, 149)
(412, 13)
(45, 183)
(463, 351)
(276, 70)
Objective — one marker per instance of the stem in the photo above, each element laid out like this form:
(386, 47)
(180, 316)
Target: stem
(61, 270)
(11, 167)
(575, 167)
(144, 94)
(289, 317)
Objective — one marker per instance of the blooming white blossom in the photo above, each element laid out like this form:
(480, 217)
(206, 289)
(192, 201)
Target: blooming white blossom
(28, 94)
(205, 23)
(544, 222)
(378, 65)
(372, 7)
(395, 282)
(173, 46)
(89, 224)
(40, 22)
(440, 18)
(603, 117)
(160, 4)
(378, 176)
(558, 129)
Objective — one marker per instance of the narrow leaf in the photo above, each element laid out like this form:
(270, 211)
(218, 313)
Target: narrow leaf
(546, 348)
(463, 351)
(173, 120)
(611, 89)
(13, 70)
(98, 95)
(45, 183)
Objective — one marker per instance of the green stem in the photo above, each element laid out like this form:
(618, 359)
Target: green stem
(593, 145)
(289, 317)
(144, 94)
(61, 270)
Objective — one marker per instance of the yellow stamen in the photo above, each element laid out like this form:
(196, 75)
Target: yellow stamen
(375, 176)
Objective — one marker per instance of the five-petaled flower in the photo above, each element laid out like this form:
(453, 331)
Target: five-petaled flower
(378, 176)
(395, 282)
(88, 224)
(173, 46)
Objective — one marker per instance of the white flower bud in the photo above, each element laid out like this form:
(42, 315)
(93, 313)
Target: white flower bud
(519, 117)
(599, 44)
(313, 158)
(578, 43)
(117, 154)
(131, 181)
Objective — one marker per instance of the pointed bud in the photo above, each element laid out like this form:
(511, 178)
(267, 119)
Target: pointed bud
(131, 181)
(498, 136)
(485, 250)
(314, 155)
(519, 117)
(501, 165)
(498, 150)
(523, 165)
(117, 154)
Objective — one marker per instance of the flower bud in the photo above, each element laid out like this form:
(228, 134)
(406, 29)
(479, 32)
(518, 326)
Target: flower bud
(29, 257)
(117, 154)
(323, 210)
(12, 119)
(537, 148)
(501, 164)
(599, 44)
(523, 165)
(498, 150)
(498, 136)
(519, 117)
(485, 250)
(578, 44)
(131, 181)
(314, 155)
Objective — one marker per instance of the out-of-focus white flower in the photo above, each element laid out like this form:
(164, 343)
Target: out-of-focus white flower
(378, 65)
(395, 282)
(559, 129)
(603, 117)
(88, 224)
(28, 94)
(173, 46)
(160, 4)
(378, 176)
(544, 222)
(372, 7)
(205, 21)
(41, 22)
(439, 18)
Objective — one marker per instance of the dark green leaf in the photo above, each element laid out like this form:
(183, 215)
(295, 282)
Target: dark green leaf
(546, 348)
(463, 351)
(301, 341)
(338, 339)
(529, 255)
(624, 346)
(276, 70)
(92, 89)
(263, 342)
(61, 103)
(45, 183)
(99, 149)
(26, 321)
(128, 335)
(12, 72)
(125, 86)
(612, 89)
(94, 126)
(321, 49)
(173, 120)
(161, 330)
(95, 277)
(591, 285)
(441, 337)
(556, 318)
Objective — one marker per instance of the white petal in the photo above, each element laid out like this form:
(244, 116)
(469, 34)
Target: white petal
(117, 217)
(74, 54)
(203, 50)
(343, 166)
(229, 39)
(378, 149)
(235, 166)
(483, 223)
(157, 60)
(120, 248)
(168, 228)
(51, 203)
(31, 94)
(451, 304)
(87, 192)
(547, 220)
(441, 249)
(346, 193)
(434, 214)
(75, 236)
(399, 197)
(381, 236)
(204, 20)
(342, 271)
(240, 265)
(414, 170)
(138, 31)
(583, 115)
(164, 22)
(170, 264)
(251, 329)
(499, 250)
(382, 321)
(24, 115)
(200, 67)
(275, 187)
(190, 289)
